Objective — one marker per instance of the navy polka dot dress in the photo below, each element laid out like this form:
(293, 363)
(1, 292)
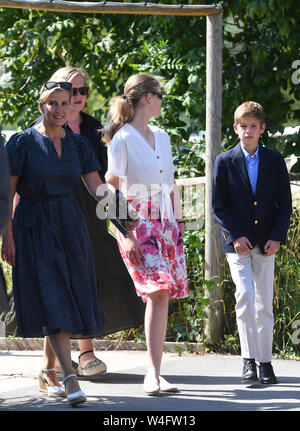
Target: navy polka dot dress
(54, 281)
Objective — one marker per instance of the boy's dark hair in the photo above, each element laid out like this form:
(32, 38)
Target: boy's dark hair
(249, 109)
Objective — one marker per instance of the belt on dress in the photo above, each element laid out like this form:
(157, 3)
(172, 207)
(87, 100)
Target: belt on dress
(32, 205)
(165, 203)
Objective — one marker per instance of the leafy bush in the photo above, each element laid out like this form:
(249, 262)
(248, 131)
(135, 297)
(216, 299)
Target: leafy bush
(287, 290)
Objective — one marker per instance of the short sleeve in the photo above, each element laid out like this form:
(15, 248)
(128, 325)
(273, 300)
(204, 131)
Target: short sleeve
(117, 157)
(89, 159)
(16, 149)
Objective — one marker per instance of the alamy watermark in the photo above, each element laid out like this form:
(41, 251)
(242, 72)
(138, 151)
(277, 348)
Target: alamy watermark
(189, 205)
(296, 333)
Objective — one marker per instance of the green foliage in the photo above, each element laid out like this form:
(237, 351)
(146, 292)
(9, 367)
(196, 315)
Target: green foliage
(189, 159)
(287, 289)
(186, 323)
(6, 271)
(187, 319)
(110, 48)
(261, 42)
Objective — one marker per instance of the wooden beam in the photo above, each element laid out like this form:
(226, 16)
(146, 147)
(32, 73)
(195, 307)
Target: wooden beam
(213, 252)
(190, 181)
(114, 7)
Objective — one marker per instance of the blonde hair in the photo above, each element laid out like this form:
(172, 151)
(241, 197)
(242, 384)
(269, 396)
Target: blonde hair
(249, 109)
(66, 73)
(122, 108)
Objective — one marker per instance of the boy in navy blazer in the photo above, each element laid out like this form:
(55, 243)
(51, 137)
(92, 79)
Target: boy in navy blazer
(252, 204)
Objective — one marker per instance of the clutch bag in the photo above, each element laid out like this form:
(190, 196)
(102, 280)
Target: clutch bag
(119, 211)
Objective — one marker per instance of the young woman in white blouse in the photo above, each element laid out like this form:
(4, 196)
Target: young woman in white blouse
(140, 165)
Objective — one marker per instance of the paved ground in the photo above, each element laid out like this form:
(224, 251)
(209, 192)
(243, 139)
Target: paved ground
(207, 383)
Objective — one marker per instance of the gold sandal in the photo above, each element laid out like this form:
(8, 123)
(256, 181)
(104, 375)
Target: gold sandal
(94, 367)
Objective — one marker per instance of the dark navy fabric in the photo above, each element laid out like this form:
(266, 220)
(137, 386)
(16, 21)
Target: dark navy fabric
(122, 307)
(54, 281)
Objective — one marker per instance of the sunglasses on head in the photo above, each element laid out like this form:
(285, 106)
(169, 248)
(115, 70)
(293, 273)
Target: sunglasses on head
(49, 85)
(82, 90)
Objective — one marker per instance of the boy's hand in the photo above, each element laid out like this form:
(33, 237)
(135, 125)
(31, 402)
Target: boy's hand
(271, 247)
(242, 245)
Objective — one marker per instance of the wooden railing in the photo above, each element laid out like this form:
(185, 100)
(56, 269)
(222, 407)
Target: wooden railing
(193, 201)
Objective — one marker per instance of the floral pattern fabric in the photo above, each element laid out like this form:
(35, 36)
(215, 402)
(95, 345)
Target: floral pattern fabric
(164, 264)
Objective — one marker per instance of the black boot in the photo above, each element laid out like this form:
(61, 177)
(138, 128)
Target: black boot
(249, 371)
(266, 374)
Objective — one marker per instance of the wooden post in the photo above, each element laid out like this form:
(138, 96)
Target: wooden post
(213, 253)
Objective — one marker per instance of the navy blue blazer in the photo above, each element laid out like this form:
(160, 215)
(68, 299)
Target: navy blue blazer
(260, 217)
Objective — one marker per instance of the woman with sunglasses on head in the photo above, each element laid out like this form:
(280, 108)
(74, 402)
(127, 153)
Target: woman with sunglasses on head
(140, 165)
(119, 302)
(47, 242)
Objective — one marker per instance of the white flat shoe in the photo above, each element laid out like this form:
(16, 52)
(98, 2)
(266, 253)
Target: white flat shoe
(166, 386)
(50, 390)
(151, 387)
(77, 397)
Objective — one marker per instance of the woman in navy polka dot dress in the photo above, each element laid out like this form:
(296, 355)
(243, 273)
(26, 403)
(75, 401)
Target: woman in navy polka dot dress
(47, 243)
(122, 307)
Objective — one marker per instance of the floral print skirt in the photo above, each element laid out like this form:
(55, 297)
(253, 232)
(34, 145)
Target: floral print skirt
(164, 264)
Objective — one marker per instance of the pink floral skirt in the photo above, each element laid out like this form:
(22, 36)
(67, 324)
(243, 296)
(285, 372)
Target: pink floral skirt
(164, 264)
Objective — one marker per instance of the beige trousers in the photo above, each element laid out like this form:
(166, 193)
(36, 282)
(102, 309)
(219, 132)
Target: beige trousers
(253, 276)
